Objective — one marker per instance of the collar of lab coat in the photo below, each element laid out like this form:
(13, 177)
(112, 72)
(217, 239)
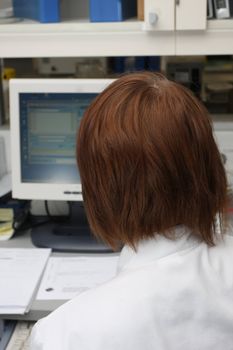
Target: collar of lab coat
(156, 248)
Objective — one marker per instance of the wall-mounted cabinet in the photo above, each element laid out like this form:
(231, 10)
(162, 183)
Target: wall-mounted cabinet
(195, 35)
(191, 15)
(171, 27)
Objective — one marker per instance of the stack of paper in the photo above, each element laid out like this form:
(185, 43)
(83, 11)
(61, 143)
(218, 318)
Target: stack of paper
(65, 278)
(5, 176)
(6, 223)
(20, 274)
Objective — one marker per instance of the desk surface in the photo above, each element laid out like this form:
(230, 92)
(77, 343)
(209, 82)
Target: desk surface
(39, 308)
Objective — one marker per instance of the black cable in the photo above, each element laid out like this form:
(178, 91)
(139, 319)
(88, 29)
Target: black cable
(47, 210)
(58, 219)
(25, 227)
(25, 221)
(69, 210)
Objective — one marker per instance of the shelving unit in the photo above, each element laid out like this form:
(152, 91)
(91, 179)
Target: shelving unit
(82, 38)
(169, 28)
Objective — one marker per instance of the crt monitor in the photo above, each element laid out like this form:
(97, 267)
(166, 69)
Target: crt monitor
(45, 115)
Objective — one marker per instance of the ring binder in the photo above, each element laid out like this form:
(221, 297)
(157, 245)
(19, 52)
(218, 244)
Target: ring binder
(210, 10)
(223, 8)
(45, 11)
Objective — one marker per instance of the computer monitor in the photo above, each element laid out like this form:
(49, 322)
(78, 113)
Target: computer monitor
(45, 115)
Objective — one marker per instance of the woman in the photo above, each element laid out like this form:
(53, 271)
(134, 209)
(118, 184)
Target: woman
(153, 180)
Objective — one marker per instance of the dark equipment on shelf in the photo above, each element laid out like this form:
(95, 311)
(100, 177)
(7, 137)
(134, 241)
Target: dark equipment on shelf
(188, 74)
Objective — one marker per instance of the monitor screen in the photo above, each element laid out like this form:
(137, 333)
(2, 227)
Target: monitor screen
(48, 124)
(45, 116)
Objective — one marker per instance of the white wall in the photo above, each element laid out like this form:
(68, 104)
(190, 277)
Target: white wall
(5, 133)
(5, 3)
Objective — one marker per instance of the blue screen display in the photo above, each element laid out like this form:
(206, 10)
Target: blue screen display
(48, 128)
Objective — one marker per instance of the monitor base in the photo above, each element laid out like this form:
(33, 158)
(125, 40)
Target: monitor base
(67, 234)
(66, 238)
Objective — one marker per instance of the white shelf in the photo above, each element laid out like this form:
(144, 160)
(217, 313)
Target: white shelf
(220, 24)
(215, 40)
(80, 26)
(222, 122)
(82, 38)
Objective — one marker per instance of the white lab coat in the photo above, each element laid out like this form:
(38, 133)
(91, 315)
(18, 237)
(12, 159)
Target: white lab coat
(170, 295)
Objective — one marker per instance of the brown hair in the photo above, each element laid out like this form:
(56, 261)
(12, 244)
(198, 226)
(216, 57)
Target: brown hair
(148, 161)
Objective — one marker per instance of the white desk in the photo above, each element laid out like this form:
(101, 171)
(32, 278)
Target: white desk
(40, 308)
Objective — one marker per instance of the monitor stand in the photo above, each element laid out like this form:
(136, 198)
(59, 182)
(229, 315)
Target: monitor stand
(70, 235)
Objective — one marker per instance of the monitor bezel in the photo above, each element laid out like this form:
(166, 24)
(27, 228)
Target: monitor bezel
(44, 191)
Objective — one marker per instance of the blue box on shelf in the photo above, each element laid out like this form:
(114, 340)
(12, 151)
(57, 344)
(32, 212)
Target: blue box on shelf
(44, 11)
(112, 10)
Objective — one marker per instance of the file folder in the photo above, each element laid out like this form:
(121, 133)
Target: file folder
(44, 11)
(112, 10)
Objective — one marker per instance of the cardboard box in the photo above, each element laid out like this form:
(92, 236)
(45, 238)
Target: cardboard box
(140, 5)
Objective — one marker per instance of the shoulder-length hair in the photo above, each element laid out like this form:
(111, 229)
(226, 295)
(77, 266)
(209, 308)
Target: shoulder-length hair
(148, 161)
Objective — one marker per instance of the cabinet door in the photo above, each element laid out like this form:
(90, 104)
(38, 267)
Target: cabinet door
(159, 15)
(191, 14)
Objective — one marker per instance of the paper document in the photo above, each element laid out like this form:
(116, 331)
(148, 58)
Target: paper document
(20, 274)
(20, 337)
(64, 278)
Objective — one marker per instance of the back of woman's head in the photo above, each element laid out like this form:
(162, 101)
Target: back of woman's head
(148, 161)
